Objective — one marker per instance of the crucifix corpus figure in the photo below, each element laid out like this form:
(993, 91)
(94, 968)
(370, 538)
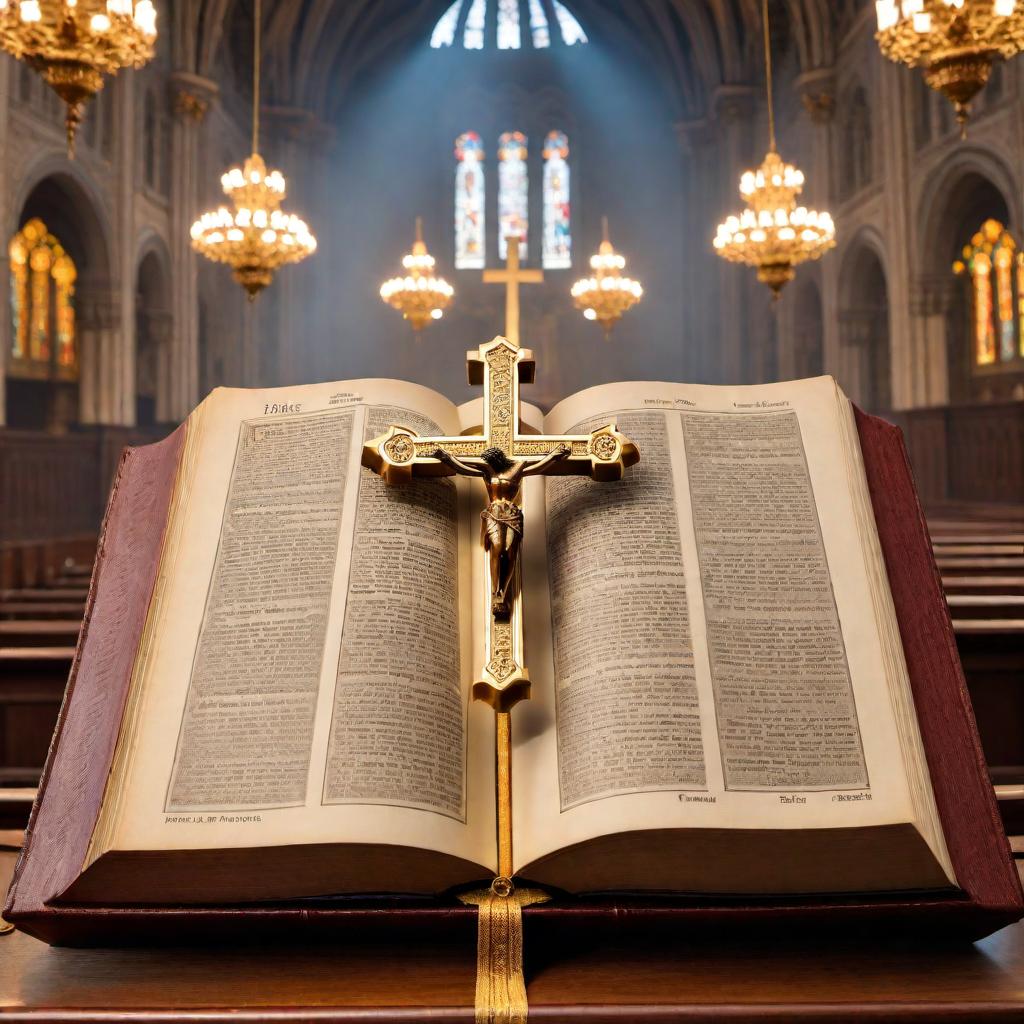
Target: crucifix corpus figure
(501, 522)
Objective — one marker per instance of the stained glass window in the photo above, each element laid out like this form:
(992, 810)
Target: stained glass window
(508, 25)
(504, 31)
(557, 207)
(996, 270)
(42, 304)
(572, 31)
(473, 37)
(513, 192)
(444, 29)
(539, 33)
(470, 252)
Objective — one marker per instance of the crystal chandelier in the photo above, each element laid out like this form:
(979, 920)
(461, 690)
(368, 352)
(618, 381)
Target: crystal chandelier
(955, 42)
(774, 234)
(607, 294)
(258, 237)
(74, 43)
(419, 296)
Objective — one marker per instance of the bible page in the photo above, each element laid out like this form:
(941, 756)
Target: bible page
(305, 678)
(709, 655)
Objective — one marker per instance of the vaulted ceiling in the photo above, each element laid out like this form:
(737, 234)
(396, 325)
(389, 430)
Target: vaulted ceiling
(316, 49)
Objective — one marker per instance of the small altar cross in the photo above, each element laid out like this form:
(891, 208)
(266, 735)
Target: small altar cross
(512, 277)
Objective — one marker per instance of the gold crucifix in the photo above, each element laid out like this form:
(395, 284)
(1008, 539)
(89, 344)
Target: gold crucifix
(512, 277)
(501, 455)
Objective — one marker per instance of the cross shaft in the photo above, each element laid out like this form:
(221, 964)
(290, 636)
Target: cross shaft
(512, 277)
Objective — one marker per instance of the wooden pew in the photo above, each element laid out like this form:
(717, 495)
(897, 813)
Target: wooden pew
(1009, 565)
(39, 633)
(45, 594)
(991, 585)
(981, 557)
(42, 609)
(32, 682)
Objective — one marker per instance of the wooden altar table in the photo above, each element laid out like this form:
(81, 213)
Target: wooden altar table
(690, 981)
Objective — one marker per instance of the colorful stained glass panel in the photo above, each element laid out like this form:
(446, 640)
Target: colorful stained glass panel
(470, 220)
(557, 205)
(513, 193)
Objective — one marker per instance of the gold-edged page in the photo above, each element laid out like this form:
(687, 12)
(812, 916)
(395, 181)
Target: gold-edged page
(307, 677)
(710, 655)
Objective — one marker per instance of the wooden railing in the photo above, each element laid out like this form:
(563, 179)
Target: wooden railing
(57, 486)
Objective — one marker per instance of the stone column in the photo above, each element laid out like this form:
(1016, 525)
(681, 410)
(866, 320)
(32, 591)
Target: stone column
(191, 97)
(119, 394)
(931, 298)
(102, 393)
(907, 346)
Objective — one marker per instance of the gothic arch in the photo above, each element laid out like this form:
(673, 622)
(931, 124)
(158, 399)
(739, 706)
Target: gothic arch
(969, 189)
(971, 175)
(153, 331)
(864, 323)
(65, 191)
(63, 197)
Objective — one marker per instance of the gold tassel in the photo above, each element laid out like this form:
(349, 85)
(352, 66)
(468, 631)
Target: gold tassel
(500, 985)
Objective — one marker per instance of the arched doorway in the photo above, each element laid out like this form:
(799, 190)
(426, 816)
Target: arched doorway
(152, 337)
(60, 292)
(864, 328)
(42, 366)
(971, 199)
(808, 332)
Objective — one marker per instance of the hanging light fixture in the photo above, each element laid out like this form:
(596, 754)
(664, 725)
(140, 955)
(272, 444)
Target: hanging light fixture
(955, 42)
(258, 237)
(774, 234)
(419, 296)
(74, 43)
(607, 294)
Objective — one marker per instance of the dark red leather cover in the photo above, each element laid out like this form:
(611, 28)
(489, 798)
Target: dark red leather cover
(123, 580)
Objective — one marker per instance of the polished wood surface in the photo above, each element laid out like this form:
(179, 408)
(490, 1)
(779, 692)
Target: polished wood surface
(694, 979)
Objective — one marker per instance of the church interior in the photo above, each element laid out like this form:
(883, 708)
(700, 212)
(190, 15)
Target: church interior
(402, 128)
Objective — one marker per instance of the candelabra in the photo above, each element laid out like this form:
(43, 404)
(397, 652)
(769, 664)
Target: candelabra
(608, 293)
(258, 237)
(954, 42)
(74, 43)
(773, 234)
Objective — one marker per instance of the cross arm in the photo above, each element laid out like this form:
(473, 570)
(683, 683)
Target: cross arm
(603, 454)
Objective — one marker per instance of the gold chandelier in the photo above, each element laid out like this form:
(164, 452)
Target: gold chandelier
(258, 237)
(608, 293)
(955, 42)
(774, 234)
(418, 295)
(74, 43)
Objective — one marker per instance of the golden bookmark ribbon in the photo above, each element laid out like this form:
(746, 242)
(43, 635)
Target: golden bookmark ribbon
(500, 985)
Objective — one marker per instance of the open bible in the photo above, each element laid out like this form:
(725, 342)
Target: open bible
(721, 702)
